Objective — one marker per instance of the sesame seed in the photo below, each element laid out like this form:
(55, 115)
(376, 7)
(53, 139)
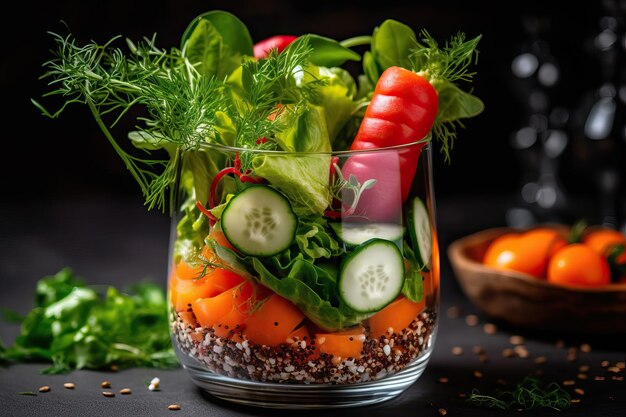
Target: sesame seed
(442, 411)
(490, 328)
(105, 384)
(457, 351)
(478, 374)
(599, 378)
(126, 391)
(108, 394)
(574, 400)
(617, 378)
(508, 353)
(516, 340)
(541, 359)
(478, 350)
(69, 385)
(621, 365)
(569, 382)
(604, 364)
(453, 312)
(443, 380)
(579, 391)
(581, 376)
(614, 369)
(45, 388)
(173, 407)
(583, 368)
(471, 320)
(585, 347)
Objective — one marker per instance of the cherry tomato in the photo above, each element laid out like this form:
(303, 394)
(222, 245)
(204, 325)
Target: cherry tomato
(527, 252)
(578, 264)
(603, 240)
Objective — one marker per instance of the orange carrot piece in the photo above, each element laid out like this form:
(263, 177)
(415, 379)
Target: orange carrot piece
(397, 316)
(346, 344)
(233, 321)
(215, 311)
(273, 321)
(184, 292)
(187, 271)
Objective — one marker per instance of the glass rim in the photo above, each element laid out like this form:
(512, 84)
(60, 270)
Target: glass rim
(228, 148)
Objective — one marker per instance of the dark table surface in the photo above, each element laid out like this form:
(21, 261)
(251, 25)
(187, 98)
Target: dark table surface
(108, 240)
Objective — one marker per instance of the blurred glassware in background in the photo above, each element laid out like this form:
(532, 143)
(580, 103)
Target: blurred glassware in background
(541, 140)
(598, 124)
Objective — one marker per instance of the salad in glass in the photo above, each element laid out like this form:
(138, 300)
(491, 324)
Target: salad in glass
(304, 251)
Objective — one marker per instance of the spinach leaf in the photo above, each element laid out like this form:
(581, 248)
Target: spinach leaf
(233, 31)
(327, 52)
(75, 326)
(392, 44)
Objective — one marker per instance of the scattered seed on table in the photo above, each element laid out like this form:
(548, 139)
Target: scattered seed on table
(471, 320)
(604, 364)
(621, 365)
(457, 351)
(483, 358)
(614, 369)
(516, 340)
(478, 374)
(454, 312)
(462, 395)
(579, 391)
(45, 388)
(443, 411)
(521, 351)
(541, 359)
(501, 381)
(617, 378)
(575, 400)
(69, 385)
(583, 368)
(572, 355)
(105, 384)
(478, 350)
(126, 391)
(599, 378)
(560, 344)
(490, 328)
(569, 382)
(508, 353)
(173, 407)
(443, 380)
(585, 347)
(581, 376)
(108, 394)
(114, 368)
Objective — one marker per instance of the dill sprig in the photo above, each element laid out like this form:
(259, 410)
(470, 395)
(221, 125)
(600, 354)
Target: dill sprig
(527, 395)
(181, 104)
(444, 67)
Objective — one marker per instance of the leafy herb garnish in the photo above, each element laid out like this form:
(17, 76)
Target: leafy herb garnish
(527, 395)
(73, 326)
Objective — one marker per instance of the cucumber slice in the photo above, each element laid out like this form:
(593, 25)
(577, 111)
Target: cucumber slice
(354, 234)
(421, 233)
(259, 221)
(372, 276)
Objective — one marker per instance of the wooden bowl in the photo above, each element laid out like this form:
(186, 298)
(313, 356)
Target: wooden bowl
(525, 301)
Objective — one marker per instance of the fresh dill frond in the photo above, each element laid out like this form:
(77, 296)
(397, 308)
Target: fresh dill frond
(527, 395)
(444, 68)
(180, 103)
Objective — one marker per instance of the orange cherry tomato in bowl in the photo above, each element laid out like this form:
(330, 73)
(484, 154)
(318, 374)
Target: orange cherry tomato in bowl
(578, 264)
(603, 240)
(528, 252)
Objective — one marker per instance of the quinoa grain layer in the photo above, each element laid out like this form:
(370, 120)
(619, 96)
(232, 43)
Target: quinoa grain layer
(292, 362)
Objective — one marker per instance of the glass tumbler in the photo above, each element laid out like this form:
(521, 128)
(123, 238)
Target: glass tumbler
(304, 280)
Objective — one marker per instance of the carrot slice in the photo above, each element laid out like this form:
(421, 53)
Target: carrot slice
(225, 309)
(233, 321)
(273, 321)
(346, 344)
(184, 290)
(396, 316)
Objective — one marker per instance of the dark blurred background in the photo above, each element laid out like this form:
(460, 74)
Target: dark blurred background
(551, 139)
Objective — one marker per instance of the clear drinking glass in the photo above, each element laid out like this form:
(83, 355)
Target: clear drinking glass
(305, 280)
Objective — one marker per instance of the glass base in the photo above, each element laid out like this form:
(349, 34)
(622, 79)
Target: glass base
(307, 396)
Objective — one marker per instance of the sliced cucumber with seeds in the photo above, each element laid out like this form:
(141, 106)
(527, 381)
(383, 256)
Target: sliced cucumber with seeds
(372, 276)
(421, 233)
(259, 221)
(354, 234)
